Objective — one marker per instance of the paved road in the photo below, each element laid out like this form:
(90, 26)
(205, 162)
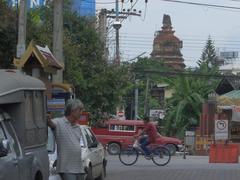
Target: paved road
(191, 168)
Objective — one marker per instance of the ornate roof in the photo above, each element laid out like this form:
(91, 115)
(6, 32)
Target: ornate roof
(228, 84)
(43, 55)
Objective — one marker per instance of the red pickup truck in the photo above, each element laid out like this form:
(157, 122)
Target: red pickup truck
(117, 134)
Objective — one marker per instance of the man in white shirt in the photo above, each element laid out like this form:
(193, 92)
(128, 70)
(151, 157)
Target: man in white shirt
(68, 136)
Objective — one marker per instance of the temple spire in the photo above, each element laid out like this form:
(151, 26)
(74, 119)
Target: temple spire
(167, 24)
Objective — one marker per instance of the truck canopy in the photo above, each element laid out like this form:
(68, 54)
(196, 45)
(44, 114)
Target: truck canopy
(12, 82)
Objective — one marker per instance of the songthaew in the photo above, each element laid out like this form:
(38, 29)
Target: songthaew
(23, 127)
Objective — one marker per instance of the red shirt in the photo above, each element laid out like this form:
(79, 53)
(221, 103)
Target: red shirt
(151, 131)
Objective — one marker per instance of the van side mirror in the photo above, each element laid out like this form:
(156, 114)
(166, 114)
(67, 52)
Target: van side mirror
(4, 146)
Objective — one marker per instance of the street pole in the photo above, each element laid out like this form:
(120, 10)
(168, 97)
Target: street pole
(136, 100)
(117, 47)
(117, 26)
(146, 98)
(103, 31)
(22, 23)
(58, 37)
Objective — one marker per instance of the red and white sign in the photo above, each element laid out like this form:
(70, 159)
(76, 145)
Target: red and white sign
(221, 129)
(120, 113)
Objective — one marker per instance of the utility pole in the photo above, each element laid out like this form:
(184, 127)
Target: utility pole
(58, 37)
(22, 23)
(146, 98)
(117, 25)
(102, 26)
(136, 100)
(136, 89)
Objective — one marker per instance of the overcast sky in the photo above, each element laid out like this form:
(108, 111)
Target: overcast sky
(192, 24)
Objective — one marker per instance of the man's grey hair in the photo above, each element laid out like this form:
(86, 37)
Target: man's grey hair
(71, 105)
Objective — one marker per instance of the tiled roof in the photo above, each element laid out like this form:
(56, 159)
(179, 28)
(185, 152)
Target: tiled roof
(42, 54)
(235, 94)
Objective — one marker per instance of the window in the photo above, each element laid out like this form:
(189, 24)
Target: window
(51, 141)
(8, 133)
(90, 137)
(2, 135)
(29, 110)
(89, 141)
(29, 123)
(39, 117)
(38, 106)
(13, 138)
(126, 128)
(35, 120)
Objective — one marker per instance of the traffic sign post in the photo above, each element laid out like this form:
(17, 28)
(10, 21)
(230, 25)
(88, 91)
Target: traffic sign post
(221, 129)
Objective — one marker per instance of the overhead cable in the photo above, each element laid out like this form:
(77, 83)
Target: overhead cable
(202, 4)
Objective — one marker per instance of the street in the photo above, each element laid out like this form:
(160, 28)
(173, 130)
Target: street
(191, 168)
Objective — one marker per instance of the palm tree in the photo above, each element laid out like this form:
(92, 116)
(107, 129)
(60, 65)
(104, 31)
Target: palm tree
(184, 107)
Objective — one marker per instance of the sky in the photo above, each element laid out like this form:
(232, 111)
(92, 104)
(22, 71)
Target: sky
(193, 24)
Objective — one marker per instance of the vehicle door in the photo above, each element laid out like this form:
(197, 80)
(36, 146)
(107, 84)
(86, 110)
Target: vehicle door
(95, 151)
(8, 163)
(17, 157)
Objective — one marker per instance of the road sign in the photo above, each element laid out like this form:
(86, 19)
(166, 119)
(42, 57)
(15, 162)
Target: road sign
(120, 113)
(157, 113)
(221, 129)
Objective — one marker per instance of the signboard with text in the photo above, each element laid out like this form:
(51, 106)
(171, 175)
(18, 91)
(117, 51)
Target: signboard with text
(157, 113)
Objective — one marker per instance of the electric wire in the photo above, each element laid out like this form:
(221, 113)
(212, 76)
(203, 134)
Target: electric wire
(202, 4)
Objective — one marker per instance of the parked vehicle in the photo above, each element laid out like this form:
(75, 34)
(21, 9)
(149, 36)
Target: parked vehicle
(117, 134)
(93, 154)
(23, 128)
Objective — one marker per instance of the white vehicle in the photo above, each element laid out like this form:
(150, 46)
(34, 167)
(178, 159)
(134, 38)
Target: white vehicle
(93, 155)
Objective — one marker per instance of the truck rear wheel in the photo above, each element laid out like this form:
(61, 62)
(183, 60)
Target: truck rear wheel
(114, 148)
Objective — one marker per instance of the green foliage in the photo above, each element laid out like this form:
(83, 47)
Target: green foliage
(100, 86)
(144, 69)
(145, 66)
(184, 107)
(8, 34)
(39, 26)
(209, 57)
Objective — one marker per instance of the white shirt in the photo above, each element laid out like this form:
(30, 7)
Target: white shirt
(69, 153)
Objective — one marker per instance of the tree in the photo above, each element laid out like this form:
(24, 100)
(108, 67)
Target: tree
(208, 57)
(184, 107)
(8, 34)
(98, 84)
(142, 70)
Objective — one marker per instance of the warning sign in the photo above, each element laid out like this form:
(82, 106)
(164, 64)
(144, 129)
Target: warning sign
(221, 129)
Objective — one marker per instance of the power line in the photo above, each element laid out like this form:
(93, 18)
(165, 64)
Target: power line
(112, 2)
(203, 4)
(131, 9)
(195, 75)
(185, 41)
(146, 36)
